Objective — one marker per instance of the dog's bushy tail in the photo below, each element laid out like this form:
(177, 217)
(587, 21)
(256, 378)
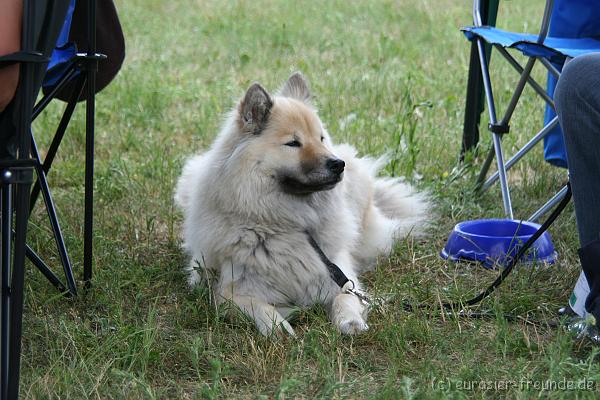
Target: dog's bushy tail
(186, 182)
(407, 210)
(401, 202)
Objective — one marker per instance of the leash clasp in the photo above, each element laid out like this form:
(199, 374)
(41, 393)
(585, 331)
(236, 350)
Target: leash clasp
(362, 296)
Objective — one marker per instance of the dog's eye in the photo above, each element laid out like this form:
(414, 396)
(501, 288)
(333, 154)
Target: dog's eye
(322, 138)
(294, 143)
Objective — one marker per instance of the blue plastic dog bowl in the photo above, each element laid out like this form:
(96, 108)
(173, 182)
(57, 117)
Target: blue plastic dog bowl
(494, 242)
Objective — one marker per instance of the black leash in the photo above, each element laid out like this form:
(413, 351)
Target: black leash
(338, 275)
(341, 279)
(335, 272)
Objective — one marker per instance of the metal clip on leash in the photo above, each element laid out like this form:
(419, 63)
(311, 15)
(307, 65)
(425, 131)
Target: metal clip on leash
(347, 285)
(365, 299)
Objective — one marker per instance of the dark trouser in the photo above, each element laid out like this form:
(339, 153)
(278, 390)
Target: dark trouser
(577, 99)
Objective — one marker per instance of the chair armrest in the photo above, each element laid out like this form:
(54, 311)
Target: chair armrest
(22, 56)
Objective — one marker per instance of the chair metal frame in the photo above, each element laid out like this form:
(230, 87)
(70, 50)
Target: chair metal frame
(86, 64)
(499, 127)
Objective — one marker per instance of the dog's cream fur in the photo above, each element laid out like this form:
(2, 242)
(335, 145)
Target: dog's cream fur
(243, 222)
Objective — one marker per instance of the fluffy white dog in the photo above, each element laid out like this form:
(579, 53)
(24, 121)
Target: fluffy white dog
(273, 202)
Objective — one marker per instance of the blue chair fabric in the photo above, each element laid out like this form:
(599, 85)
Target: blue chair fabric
(574, 19)
(63, 52)
(555, 49)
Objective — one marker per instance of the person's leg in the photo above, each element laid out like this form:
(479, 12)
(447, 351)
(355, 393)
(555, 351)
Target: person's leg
(577, 99)
(10, 41)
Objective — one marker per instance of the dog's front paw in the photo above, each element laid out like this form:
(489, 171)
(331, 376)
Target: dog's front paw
(353, 326)
(348, 314)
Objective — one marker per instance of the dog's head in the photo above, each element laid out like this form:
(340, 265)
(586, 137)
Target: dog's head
(286, 139)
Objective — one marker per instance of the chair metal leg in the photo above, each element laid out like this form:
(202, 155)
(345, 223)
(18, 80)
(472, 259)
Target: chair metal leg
(58, 237)
(16, 288)
(487, 85)
(46, 271)
(6, 216)
(532, 82)
(549, 204)
(518, 91)
(522, 151)
(22, 184)
(525, 74)
(503, 179)
(89, 145)
(89, 184)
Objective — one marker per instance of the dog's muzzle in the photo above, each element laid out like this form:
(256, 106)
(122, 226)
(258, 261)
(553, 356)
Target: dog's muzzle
(317, 180)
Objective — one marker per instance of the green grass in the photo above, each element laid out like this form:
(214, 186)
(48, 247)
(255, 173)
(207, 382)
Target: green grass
(388, 76)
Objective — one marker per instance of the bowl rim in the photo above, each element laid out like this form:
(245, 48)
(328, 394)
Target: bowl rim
(458, 228)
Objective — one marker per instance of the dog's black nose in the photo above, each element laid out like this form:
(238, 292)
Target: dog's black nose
(335, 165)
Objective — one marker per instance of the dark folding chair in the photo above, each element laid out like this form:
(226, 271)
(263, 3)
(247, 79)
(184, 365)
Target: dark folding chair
(552, 47)
(41, 26)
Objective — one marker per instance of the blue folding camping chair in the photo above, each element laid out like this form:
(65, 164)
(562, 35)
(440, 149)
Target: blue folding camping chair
(569, 28)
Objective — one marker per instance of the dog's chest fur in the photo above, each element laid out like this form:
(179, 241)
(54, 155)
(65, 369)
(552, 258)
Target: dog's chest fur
(281, 264)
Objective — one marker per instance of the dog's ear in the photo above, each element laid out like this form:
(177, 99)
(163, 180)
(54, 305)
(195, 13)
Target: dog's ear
(255, 109)
(297, 88)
